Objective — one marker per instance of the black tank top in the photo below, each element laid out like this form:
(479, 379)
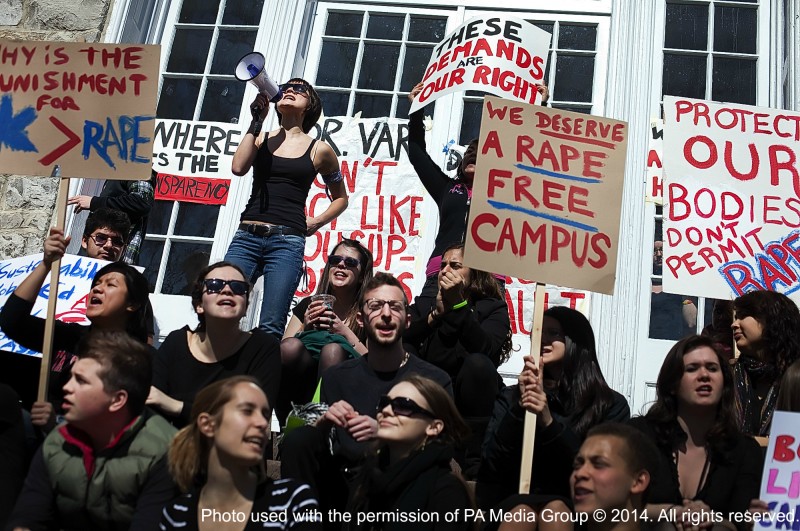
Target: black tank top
(280, 188)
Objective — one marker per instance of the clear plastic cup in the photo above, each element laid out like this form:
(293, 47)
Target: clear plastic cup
(326, 299)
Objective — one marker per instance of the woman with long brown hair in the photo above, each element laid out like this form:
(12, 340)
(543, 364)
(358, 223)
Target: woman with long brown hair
(217, 460)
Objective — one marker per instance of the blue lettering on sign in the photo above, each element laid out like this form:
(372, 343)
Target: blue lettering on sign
(13, 127)
(123, 140)
(6, 272)
(776, 269)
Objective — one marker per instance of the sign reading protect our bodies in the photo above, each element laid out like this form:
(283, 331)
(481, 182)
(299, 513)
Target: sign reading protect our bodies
(87, 107)
(75, 281)
(547, 195)
(503, 56)
(732, 198)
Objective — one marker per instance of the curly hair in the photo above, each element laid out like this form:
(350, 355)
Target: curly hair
(365, 273)
(314, 109)
(779, 318)
(664, 412)
(112, 219)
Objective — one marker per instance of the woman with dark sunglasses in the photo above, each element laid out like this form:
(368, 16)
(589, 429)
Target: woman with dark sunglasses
(189, 360)
(319, 336)
(270, 241)
(410, 473)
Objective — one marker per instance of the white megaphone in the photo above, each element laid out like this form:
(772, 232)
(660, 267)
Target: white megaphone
(251, 68)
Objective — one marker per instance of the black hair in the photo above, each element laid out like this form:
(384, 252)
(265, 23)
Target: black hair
(110, 218)
(314, 109)
(138, 296)
(779, 318)
(199, 286)
(581, 387)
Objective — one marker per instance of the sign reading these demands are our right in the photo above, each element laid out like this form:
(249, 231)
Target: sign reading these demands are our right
(88, 107)
(731, 199)
(547, 195)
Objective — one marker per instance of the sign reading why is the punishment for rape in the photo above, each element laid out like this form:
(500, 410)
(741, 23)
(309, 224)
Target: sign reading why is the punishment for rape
(502, 56)
(547, 195)
(193, 160)
(732, 199)
(87, 107)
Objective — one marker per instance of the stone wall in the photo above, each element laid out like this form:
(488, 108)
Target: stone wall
(26, 203)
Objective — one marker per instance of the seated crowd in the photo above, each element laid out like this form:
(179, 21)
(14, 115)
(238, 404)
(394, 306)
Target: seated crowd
(389, 411)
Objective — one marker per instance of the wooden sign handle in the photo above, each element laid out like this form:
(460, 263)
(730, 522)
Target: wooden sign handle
(529, 432)
(52, 296)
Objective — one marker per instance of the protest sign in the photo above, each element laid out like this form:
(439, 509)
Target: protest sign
(87, 107)
(732, 199)
(75, 280)
(385, 198)
(547, 194)
(654, 176)
(503, 56)
(193, 160)
(780, 481)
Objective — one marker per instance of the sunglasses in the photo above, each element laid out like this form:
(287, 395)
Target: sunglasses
(216, 285)
(349, 261)
(101, 239)
(297, 88)
(403, 406)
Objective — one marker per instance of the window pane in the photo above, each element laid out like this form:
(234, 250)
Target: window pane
(178, 98)
(389, 27)
(734, 80)
(195, 219)
(199, 11)
(222, 100)
(231, 46)
(372, 106)
(337, 63)
(379, 66)
(547, 26)
(158, 219)
(344, 24)
(574, 78)
(574, 108)
(426, 29)
(334, 103)
(189, 50)
(150, 259)
(687, 27)
(735, 29)
(243, 13)
(684, 75)
(414, 64)
(184, 264)
(577, 37)
(670, 318)
(403, 105)
(470, 121)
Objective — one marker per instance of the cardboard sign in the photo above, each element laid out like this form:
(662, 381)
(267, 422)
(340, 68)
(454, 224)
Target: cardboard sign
(654, 176)
(193, 160)
(503, 56)
(88, 107)
(75, 281)
(780, 481)
(547, 194)
(732, 199)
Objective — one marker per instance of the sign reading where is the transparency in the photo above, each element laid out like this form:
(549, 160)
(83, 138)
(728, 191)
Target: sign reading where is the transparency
(502, 56)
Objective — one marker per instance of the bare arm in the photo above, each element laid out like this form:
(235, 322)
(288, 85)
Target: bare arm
(326, 162)
(248, 148)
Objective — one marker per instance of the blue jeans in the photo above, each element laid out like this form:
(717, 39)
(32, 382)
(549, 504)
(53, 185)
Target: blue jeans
(279, 259)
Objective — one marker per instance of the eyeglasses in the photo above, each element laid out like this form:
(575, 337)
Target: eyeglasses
(375, 305)
(349, 261)
(403, 406)
(297, 88)
(101, 239)
(216, 285)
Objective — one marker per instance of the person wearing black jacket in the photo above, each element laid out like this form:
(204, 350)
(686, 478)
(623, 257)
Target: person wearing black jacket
(467, 334)
(569, 395)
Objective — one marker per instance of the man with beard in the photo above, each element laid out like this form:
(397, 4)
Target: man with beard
(352, 389)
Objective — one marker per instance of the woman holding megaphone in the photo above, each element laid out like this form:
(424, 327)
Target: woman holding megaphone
(285, 162)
